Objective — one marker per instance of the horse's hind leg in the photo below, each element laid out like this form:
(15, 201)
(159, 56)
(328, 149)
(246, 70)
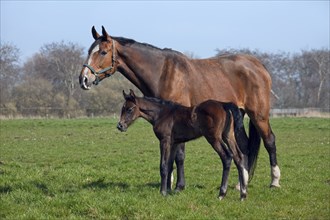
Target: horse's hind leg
(269, 141)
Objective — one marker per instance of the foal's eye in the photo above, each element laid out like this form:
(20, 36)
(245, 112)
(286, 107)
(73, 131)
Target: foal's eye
(103, 53)
(130, 110)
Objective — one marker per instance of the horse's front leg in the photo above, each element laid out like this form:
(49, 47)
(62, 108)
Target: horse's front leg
(165, 153)
(179, 160)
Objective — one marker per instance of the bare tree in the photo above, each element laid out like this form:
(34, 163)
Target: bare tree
(313, 68)
(9, 74)
(300, 80)
(59, 64)
(47, 83)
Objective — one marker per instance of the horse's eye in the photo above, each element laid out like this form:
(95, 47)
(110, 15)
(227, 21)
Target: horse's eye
(103, 53)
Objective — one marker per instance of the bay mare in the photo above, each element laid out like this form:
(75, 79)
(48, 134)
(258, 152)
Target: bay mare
(170, 75)
(220, 123)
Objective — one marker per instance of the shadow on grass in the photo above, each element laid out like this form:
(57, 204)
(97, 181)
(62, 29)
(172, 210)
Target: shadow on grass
(102, 184)
(153, 185)
(5, 189)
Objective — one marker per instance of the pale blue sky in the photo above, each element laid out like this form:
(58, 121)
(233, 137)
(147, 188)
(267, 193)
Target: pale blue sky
(194, 26)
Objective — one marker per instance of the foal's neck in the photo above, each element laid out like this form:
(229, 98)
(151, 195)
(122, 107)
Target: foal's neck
(152, 108)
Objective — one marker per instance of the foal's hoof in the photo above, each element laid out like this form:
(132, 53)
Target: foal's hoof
(238, 186)
(221, 197)
(179, 189)
(243, 198)
(164, 193)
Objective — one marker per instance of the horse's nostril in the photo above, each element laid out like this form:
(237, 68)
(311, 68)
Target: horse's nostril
(84, 83)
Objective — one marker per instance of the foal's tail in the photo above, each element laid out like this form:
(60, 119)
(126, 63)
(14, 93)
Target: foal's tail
(253, 146)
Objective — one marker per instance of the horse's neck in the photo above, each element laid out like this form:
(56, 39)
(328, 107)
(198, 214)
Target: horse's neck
(142, 66)
(150, 110)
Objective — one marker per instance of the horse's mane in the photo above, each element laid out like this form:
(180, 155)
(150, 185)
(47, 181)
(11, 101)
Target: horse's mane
(127, 41)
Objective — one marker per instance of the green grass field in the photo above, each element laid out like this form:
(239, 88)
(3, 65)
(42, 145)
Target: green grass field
(85, 168)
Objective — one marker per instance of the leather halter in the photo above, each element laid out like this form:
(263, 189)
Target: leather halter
(96, 73)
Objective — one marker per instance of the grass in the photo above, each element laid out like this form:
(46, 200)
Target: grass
(85, 168)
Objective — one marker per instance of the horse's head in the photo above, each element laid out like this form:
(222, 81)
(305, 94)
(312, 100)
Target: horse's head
(129, 112)
(101, 61)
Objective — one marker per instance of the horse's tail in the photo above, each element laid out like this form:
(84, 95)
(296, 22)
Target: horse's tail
(248, 146)
(240, 134)
(253, 146)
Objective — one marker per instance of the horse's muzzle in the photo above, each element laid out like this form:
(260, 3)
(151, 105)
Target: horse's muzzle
(84, 84)
(121, 127)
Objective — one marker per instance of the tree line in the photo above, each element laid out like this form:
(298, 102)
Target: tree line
(46, 84)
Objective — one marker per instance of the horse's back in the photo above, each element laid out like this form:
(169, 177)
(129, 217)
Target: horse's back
(240, 79)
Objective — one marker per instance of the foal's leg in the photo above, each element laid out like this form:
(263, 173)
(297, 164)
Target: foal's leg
(179, 160)
(226, 161)
(243, 177)
(241, 162)
(165, 154)
(170, 166)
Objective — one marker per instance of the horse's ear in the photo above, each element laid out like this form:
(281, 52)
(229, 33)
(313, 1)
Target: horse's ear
(131, 92)
(104, 33)
(95, 34)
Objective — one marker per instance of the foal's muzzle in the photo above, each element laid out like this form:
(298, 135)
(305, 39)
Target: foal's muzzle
(121, 127)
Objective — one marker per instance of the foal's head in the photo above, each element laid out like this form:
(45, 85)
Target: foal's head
(129, 112)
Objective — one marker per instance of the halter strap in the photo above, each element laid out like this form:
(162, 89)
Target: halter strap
(95, 73)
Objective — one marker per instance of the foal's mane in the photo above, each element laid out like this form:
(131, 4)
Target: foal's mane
(161, 101)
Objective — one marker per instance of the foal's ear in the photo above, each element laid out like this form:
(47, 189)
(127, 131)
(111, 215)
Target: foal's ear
(130, 96)
(104, 33)
(95, 34)
(126, 96)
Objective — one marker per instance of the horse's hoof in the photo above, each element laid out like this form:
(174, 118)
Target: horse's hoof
(275, 185)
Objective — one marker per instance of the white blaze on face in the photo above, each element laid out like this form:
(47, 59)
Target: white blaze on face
(89, 59)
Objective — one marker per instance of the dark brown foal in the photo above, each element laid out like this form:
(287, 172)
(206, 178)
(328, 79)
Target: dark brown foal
(220, 123)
